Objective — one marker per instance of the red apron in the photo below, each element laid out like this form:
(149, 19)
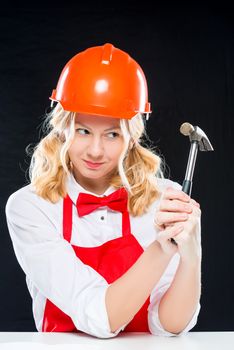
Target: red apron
(111, 260)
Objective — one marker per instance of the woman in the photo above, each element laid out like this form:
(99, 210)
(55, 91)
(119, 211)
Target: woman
(93, 229)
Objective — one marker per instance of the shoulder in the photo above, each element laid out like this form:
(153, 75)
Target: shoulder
(25, 201)
(18, 198)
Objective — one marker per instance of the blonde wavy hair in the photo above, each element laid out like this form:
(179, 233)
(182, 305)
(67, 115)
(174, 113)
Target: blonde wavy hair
(138, 166)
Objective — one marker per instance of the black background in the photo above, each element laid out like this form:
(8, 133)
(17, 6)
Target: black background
(187, 57)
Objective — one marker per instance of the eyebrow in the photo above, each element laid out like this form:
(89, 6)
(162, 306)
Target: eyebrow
(111, 128)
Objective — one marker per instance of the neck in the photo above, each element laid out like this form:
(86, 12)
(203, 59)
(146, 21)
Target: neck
(98, 187)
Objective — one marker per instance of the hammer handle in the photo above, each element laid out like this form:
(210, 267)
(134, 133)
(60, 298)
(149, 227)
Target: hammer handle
(187, 188)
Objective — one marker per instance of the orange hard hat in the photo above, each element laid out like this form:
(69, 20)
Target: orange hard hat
(105, 81)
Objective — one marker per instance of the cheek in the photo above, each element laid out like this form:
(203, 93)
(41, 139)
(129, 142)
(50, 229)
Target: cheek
(74, 149)
(114, 151)
(78, 144)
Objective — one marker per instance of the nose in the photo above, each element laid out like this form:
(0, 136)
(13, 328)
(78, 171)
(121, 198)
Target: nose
(95, 148)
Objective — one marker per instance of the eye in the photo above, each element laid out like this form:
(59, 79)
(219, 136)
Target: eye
(114, 133)
(82, 130)
(85, 131)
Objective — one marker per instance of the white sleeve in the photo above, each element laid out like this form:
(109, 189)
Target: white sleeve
(159, 290)
(51, 264)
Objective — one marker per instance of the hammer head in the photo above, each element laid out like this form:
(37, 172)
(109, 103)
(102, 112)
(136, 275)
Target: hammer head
(196, 134)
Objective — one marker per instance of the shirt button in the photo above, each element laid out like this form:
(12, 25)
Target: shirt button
(102, 218)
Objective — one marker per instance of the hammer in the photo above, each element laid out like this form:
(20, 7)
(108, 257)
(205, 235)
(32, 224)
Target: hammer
(198, 139)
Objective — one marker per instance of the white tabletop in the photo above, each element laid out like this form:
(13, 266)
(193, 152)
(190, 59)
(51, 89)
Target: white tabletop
(124, 341)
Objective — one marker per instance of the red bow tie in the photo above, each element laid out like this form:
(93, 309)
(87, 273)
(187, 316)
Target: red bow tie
(118, 200)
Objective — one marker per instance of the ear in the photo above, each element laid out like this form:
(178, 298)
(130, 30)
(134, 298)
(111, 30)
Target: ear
(62, 137)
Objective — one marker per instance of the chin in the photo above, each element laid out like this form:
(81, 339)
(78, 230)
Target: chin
(93, 174)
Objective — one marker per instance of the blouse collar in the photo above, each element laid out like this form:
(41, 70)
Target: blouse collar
(74, 188)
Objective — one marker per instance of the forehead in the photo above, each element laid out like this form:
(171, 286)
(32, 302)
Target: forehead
(97, 121)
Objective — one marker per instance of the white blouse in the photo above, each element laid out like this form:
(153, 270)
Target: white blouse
(53, 270)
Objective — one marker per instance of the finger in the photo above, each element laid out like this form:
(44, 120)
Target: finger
(175, 205)
(171, 193)
(195, 203)
(170, 232)
(196, 208)
(164, 218)
(171, 224)
(158, 225)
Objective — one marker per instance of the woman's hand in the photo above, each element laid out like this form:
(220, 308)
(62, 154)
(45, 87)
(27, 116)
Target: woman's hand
(176, 210)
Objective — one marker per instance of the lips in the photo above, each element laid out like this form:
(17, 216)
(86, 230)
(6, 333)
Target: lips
(88, 161)
(92, 165)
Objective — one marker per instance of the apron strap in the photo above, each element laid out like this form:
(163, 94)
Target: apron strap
(67, 218)
(126, 226)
